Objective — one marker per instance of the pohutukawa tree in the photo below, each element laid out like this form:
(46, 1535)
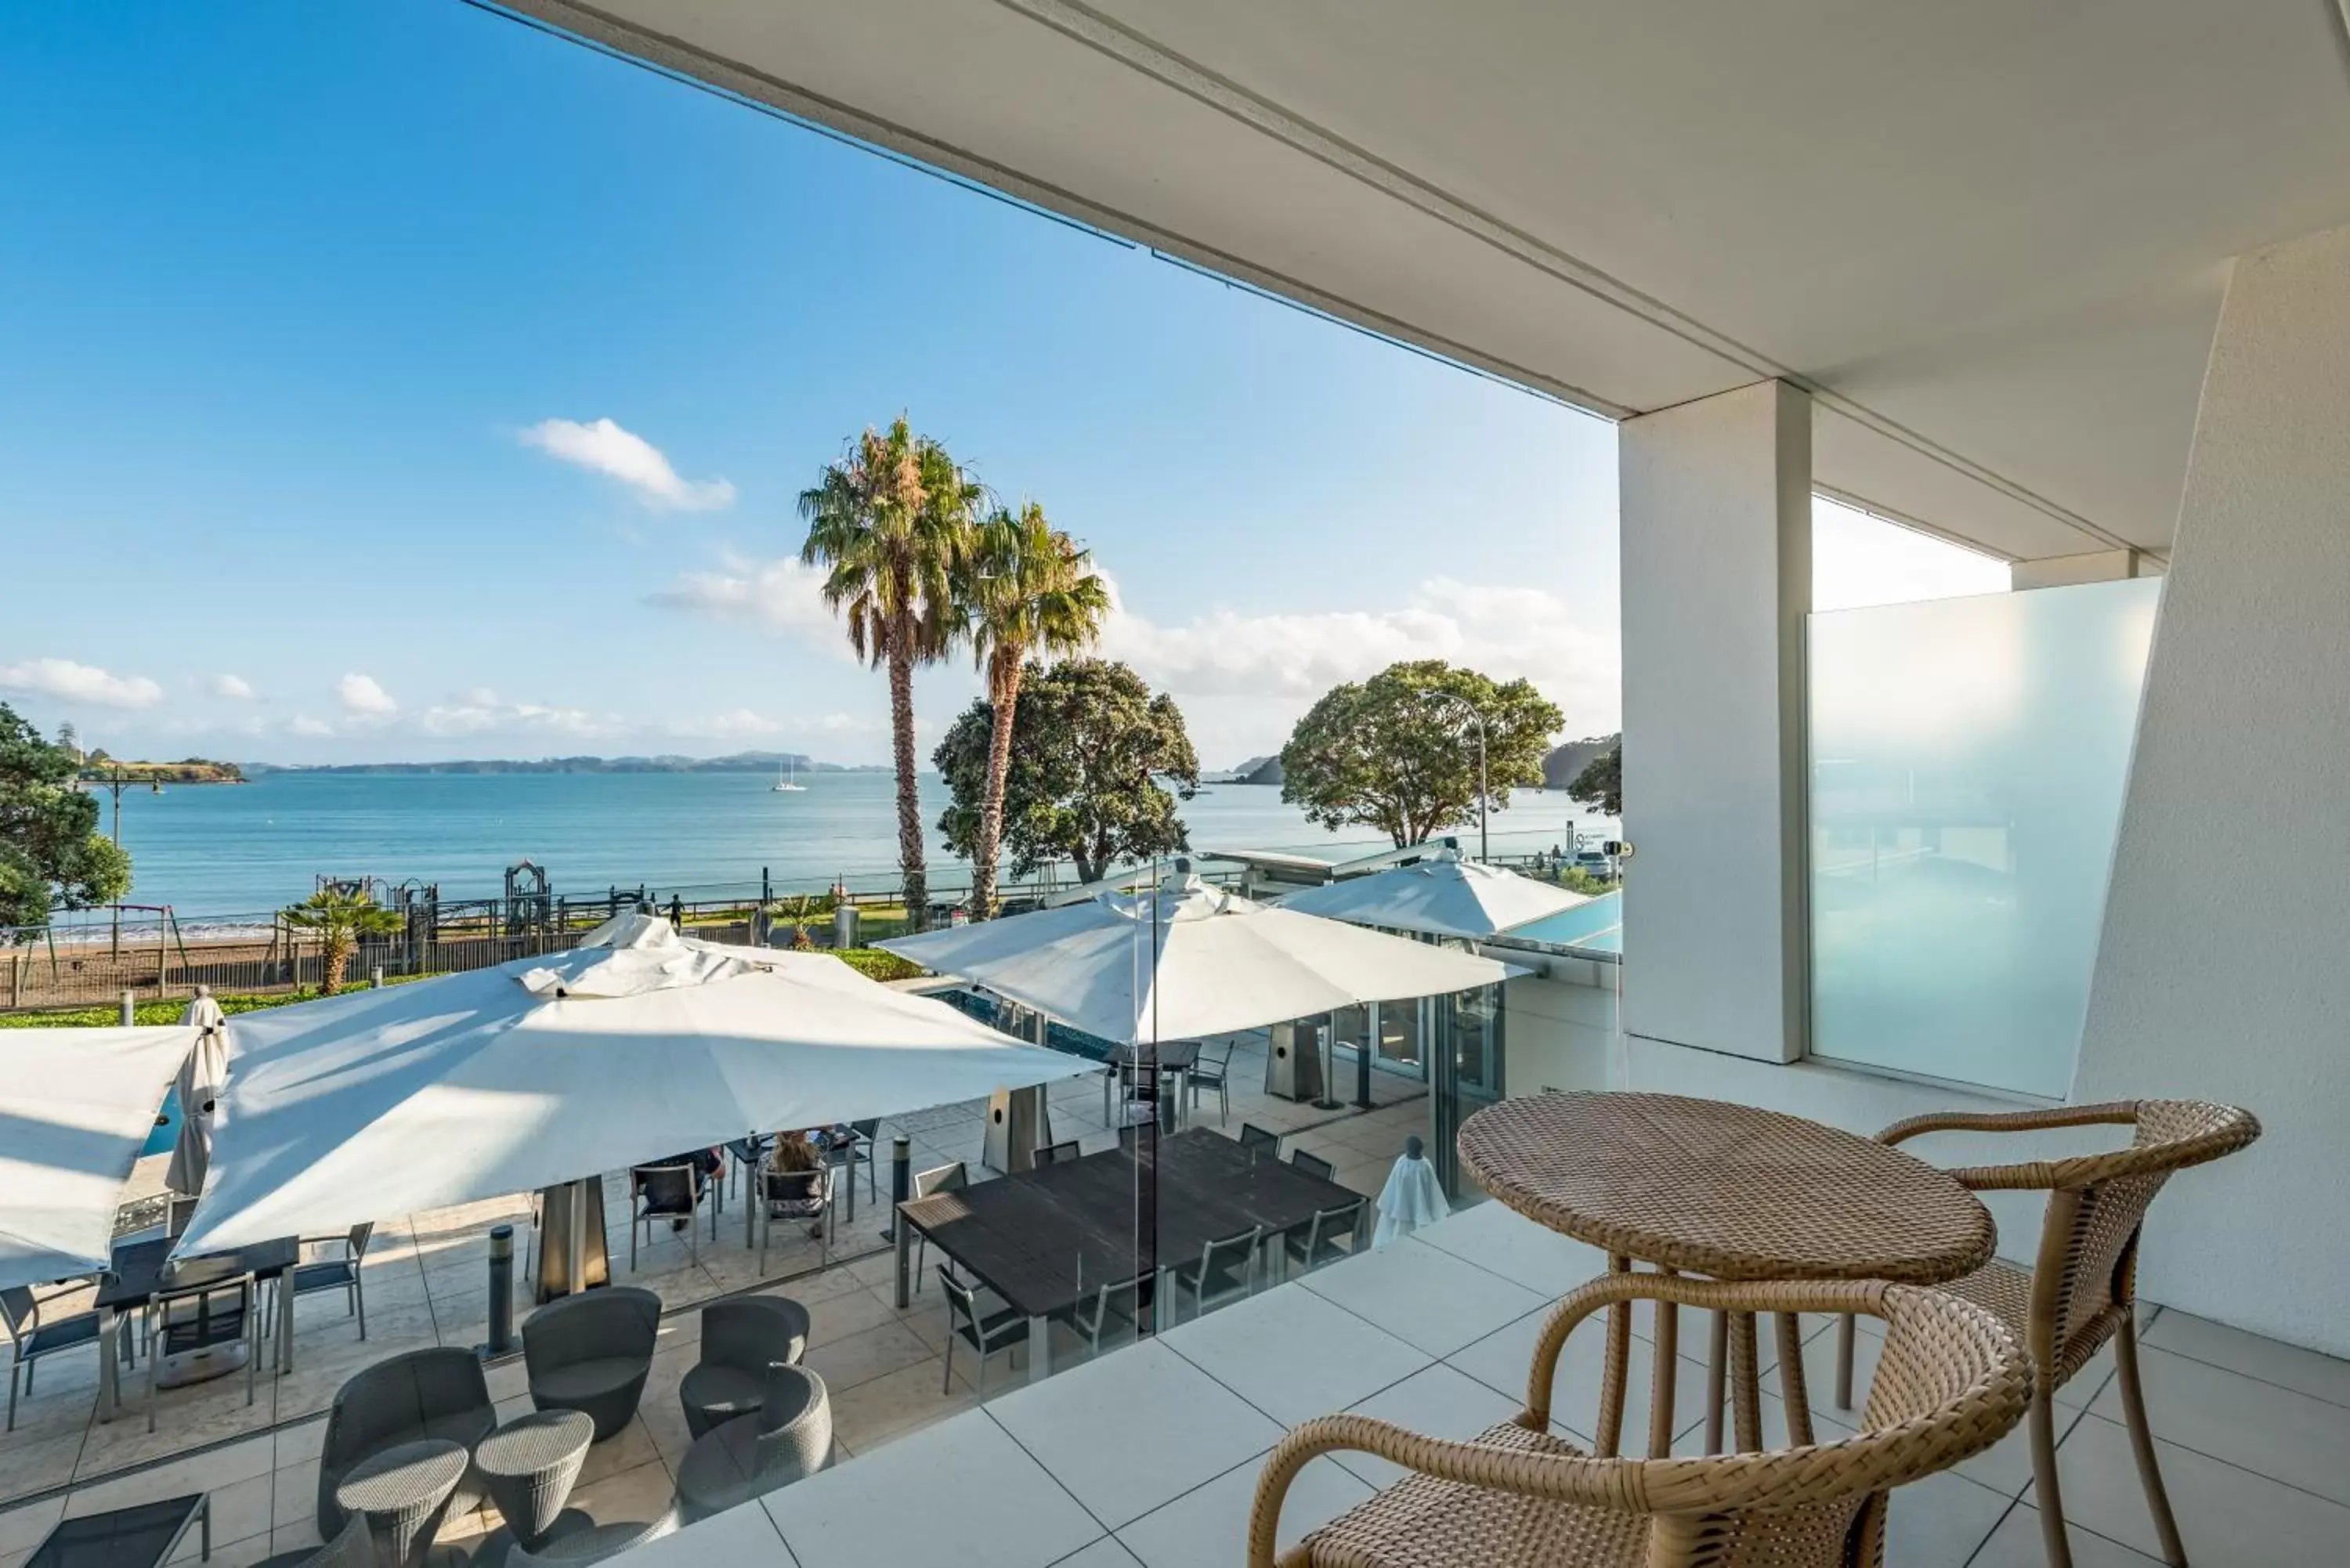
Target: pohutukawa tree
(1398, 751)
(1026, 591)
(887, 523)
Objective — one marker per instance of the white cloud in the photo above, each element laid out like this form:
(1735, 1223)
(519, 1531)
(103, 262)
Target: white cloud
(781, 595)
(70, 682)
(624, 455)
(363, 694)
(313, 729)
(480, 710)
(235, 688)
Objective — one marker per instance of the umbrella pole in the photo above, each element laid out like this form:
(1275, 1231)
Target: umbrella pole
(577, 1279)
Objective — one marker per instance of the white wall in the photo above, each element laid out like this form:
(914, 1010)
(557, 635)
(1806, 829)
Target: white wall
(1716, 520)
(2232, 832)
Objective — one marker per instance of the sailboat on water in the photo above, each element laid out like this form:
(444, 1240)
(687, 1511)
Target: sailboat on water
(789, 784)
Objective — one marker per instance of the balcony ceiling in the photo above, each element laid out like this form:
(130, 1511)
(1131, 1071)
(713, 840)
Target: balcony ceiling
(1991, 236)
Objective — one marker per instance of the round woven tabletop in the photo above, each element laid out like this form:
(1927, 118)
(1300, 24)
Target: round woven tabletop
(534, 1444)
(1723, 1190)
(409, 1476)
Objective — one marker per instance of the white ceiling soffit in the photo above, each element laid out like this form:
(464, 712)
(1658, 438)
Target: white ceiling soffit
(1993, 237)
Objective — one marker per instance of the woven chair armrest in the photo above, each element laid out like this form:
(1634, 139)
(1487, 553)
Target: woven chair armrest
(1832, 1296)
(1564, 1478)
(2037, 1175)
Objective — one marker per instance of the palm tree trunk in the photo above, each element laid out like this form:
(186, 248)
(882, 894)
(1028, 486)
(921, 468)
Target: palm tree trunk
(910, 804)
(1005, 703)
(338, 958)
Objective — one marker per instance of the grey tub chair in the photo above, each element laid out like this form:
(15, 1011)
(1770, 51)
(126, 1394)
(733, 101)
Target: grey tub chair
(592, 1353)
(789, 1437)
(434, 1393)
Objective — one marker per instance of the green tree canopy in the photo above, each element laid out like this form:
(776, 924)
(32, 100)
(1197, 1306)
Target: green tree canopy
(1600, 784)
(1398, 751)
(51, 852)
(1089, 743)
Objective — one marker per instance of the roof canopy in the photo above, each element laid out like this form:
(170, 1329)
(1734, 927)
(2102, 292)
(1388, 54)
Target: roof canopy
(643, 1045)
(75, 1107)
(1443, 896)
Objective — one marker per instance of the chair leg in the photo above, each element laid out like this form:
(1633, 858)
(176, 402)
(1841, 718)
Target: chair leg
(2158, 1501)
(14, 1374)
(359, 1299)
(634, 1226)
(1843, 1362)
(2045, 1492)
(946, 1384)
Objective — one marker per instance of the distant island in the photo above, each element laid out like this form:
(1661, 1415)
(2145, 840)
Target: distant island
(740, 762)
(1564, 761)
(99, 768)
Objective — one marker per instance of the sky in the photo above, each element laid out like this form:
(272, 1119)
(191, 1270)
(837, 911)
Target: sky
(392, 382)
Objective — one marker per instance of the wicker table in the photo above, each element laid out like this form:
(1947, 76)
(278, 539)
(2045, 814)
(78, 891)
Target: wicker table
(528, 1467)
(403, 1491)
(1727, 1191)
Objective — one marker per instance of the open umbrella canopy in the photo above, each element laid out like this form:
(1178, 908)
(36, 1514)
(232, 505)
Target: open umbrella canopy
(75, 1107)
(1188, 961)
(1443, 896)
(637, 1047)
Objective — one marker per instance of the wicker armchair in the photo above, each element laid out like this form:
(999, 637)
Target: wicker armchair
(787, 1438)
(740, 1340)
(436, 1392)
(1954, 1381)
(592, 1354)
(2083, 1289)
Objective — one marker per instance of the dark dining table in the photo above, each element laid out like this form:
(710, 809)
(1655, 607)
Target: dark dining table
(1045, 1239)
(1176, 1058)
(141, 1270)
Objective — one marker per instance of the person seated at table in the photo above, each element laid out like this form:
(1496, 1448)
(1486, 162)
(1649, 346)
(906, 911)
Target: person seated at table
(796, 1151)
(706, 1162)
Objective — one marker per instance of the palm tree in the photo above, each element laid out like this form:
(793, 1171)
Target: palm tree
(887, 523)
(1026, 591)
(341, 917)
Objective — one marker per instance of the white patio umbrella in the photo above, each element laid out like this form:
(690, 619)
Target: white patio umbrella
(1443, 896)
(201, 1077)
(1187, 961)
(541, 1071)
(76, 1106)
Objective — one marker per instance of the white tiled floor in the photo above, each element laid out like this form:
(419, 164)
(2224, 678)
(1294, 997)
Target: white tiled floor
(425, 1285)
(1150, 1455)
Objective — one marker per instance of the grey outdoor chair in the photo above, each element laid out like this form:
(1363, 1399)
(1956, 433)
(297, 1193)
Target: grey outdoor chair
(1312, 1165)
(1256, 1139)
(741, 1340)
(594, 1543)
(796, 1195)
(1213, 1072)
(437, 1392)
(1120, 1301)
(1226, 1269)
(1333, 1233)
(848, 1154)
(20, 1312)
(788, 1437)
(592, 1354)
(332, 1273)
(668, 1192)
(204, 1322)
(952, 1176)
(998, 1332)
(351, 1547)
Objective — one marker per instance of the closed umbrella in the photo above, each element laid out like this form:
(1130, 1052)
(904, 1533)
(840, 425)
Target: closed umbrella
(201, 1077)
(77, 1107)
(1443, 896)
(537, 1072)
(1188, 961)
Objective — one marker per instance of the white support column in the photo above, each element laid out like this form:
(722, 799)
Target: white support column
(2223, 971)
(1716, 509)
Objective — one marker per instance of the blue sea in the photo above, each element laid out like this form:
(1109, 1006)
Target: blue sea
(216, 852)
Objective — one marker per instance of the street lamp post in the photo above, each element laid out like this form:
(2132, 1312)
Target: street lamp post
(1485, 849)
(115, 781)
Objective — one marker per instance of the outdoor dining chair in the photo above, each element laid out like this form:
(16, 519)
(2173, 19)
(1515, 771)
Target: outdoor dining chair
(20, 1312)
(796, 1195)
(330, 1273)
(1312, 1165)
(1213, 1072)
(2081, 1290)
(849, 1153)
(1258, 1140)
(950, 1178)
(999, 1332)
(1953, 1382)
(191, 1317)
(1061, 1153)
(1226, 1270)
(1121, 1300)
(1332, 1234)
(667, 1192)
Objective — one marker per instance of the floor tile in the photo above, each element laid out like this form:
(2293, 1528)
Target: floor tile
(2306, 1371)
(2226, 1515)
(1503, 1360)
(2018, 1543)
(1436, 1403)
(1103, 1553)
(23, 1529)
(1208, 1528)
(1426, 1297)
(961, 1492)
(2271, 1430)
(897, 1403)
(1257, 1348)
(641, 1494)
(1195, 1428)
(740, 1538)
(1495, 1238)
(843, 1364)
(843, 1313)
(624, 1450)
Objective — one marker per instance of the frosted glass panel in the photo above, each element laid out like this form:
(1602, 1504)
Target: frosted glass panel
(1968, 762)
